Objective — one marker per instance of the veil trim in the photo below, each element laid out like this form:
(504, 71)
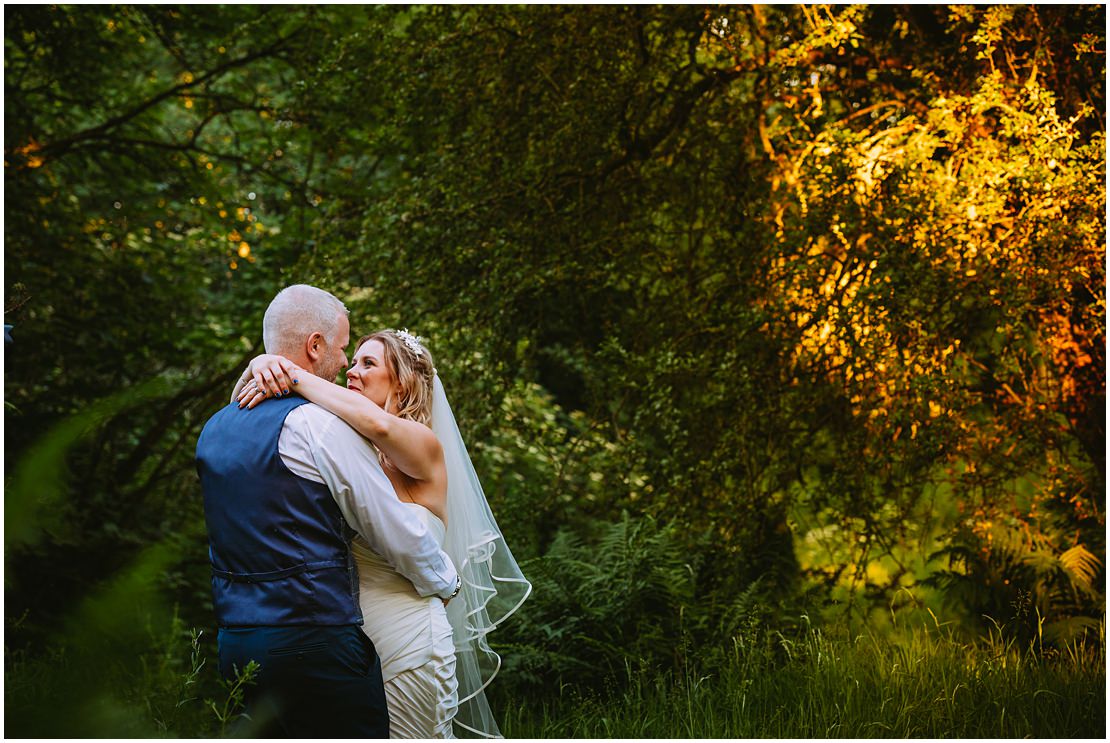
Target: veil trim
(488, 570)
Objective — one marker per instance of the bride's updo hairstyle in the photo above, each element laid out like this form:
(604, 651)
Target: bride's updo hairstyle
(411, 366)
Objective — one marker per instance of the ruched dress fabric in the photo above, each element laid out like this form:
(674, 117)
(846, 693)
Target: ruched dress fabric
(414, 641)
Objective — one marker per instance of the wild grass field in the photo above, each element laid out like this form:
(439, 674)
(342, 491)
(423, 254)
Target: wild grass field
(920, 684)
(819, 682)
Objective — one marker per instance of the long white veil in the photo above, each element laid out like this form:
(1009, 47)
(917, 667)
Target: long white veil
(493, 587)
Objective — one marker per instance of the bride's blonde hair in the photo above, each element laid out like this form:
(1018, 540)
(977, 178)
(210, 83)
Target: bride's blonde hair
(411, 367)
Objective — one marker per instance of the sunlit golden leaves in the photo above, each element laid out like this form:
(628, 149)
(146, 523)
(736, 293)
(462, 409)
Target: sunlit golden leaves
(944, 271)
(828, 27)
(29, 154)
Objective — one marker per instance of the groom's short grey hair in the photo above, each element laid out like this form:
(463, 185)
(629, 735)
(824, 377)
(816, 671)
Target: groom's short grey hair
(297, 312)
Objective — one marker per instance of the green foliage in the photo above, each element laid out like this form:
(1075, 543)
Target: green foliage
(153, 680)
(545, 469)
(628, 597)
(598, 606)
(104, 652)
(230, 711)
(36, 499)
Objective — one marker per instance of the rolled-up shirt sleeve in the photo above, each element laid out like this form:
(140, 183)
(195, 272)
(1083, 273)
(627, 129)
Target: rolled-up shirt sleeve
(350, 469)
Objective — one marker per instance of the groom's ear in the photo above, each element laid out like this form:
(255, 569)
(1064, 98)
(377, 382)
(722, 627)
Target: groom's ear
(314, 346)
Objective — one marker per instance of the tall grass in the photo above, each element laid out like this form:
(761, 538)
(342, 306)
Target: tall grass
(161, 685)
(918, 684)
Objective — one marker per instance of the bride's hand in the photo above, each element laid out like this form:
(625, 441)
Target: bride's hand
(272, 376)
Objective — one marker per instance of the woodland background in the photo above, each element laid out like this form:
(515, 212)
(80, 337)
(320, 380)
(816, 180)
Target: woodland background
(777, 334)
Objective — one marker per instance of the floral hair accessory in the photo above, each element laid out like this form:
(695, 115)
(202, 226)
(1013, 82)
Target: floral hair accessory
(414, 342)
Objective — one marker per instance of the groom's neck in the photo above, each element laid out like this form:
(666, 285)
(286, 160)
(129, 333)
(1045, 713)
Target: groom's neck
(301, 360)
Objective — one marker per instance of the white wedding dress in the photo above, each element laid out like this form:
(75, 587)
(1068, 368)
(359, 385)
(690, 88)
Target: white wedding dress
(414, 641)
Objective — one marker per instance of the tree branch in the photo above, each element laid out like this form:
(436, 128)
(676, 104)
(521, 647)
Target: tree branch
(59, 147)
(169, 412)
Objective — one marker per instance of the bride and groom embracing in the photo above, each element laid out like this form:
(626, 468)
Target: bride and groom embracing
(354, 556)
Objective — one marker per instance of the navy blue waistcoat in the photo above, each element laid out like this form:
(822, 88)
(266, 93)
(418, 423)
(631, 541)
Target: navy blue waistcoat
(279, 545)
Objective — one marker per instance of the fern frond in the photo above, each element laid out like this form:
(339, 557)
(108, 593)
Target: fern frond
(1042, 562)
(1081, 565)
(1069, 629)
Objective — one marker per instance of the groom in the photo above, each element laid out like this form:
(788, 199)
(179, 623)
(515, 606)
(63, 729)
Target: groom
(286, 485)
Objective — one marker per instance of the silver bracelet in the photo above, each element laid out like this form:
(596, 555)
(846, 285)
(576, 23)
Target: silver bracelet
(458, 587)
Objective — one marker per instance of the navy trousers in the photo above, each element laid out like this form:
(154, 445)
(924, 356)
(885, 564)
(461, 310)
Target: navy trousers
(314, 682)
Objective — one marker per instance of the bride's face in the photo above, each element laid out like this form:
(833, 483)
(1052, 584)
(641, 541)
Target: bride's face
(369, 373)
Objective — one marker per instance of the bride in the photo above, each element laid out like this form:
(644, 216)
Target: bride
(436, 661)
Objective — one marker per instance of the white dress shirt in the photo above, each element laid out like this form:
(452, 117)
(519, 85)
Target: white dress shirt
(319, 446)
